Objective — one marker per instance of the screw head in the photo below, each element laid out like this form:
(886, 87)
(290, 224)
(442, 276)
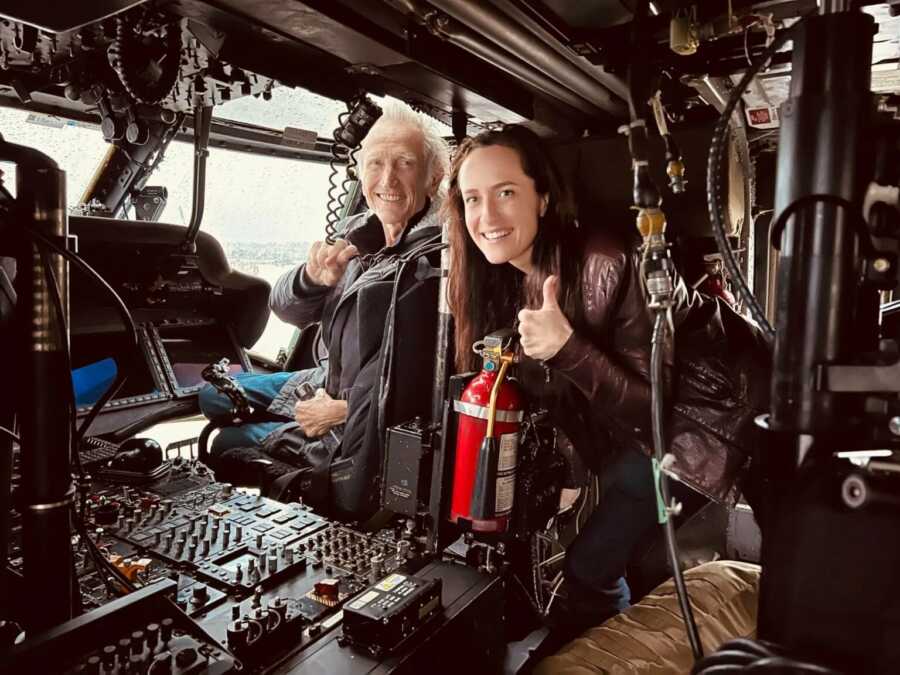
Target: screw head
(894, 425)
(881, 265)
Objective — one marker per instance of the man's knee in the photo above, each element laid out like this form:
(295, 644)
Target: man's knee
(227, 438)
(213, 404)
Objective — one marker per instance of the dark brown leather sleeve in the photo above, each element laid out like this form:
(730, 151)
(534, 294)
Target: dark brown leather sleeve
(613, 391)
(616, 390)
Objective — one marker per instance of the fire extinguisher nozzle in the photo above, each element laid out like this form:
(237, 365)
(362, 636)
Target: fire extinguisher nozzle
(484, 490)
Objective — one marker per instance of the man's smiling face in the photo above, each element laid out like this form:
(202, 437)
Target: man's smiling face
(394, 174)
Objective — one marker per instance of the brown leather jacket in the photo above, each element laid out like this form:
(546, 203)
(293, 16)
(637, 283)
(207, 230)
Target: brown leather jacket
(716, 383)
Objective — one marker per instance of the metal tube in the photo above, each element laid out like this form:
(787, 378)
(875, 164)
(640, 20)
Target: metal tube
(442, 342)
(44, 375)
(824, 148)
(497, 27)
(202, 123)
(608, 80)
(462, 37)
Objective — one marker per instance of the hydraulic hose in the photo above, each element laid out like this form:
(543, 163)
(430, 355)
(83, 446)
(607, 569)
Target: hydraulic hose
(660, 330)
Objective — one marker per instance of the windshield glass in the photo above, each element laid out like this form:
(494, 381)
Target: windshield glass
(287, 108)
(77, 148)
(265, 211)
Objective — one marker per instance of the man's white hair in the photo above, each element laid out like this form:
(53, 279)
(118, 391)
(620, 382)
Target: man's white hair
(437, 151)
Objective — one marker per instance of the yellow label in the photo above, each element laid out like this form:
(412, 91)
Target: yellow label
(391, 582)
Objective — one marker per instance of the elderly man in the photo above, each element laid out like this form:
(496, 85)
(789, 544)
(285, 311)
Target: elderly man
(319, 438)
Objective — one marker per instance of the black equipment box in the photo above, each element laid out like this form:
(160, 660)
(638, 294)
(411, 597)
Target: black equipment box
(407, 468)
(390, 611)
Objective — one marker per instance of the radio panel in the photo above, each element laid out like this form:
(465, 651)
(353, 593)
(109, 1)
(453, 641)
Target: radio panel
(186, 347)
(146, 381)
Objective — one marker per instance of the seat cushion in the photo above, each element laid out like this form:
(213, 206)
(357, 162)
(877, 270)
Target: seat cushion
(650, 637)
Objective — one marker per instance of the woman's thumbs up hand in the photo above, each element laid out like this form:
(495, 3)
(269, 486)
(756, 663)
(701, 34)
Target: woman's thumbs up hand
(544, 331)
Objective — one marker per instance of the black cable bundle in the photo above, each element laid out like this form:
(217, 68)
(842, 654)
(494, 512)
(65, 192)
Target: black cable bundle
(130, 57)
(754, 656)
(104, 567)
(714, 177)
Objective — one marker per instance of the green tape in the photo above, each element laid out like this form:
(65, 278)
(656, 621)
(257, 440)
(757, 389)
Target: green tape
(662, 513)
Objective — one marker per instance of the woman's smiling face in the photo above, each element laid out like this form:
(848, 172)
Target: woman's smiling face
(502, 206)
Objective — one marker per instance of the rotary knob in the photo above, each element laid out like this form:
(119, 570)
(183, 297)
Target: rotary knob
(185, 657)
(279, 606)
(199, 594)
(165, 632)
(152, 635)
(109, 657)
(238, 633)
(137, 642)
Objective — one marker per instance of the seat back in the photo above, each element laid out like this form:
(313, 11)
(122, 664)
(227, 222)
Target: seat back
(401, 374)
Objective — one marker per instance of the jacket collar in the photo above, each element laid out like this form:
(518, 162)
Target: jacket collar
(369, 237)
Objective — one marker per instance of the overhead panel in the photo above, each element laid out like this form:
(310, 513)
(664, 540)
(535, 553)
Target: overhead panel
(58, 17)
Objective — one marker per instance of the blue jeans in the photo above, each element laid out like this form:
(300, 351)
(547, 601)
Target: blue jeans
(596, 560)
(623, 523)
(261, 389)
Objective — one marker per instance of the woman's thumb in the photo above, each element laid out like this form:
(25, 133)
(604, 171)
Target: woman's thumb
(551, 289)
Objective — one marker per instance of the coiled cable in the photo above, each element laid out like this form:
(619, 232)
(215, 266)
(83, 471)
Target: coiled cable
(714, 177)
(754, 656)
(340, 156)
(353, 125)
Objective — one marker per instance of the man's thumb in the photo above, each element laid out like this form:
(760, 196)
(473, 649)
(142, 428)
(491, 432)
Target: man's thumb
(551, 288)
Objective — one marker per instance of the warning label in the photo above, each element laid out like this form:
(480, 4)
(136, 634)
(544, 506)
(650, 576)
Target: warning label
(364, 600)
(509, 451)
(506, 492)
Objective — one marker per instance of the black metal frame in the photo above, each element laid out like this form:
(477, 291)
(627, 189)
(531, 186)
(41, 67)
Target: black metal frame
(823, 554)
(41, 364)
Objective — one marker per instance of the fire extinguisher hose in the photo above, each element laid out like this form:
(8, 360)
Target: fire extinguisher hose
(484, 490)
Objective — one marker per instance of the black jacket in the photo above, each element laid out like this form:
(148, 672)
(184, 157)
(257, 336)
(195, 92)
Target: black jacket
(354, 314)
(717, 379)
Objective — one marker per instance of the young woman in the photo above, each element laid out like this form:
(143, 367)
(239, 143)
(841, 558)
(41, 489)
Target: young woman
(520, 257)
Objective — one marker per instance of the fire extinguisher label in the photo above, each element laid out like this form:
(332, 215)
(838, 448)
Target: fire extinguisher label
(506, 490)
(509, 452)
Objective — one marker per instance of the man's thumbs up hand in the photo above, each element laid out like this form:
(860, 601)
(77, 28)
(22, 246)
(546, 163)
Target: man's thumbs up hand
(544, 331)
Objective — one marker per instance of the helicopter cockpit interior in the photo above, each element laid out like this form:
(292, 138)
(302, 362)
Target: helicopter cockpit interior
(753, 146)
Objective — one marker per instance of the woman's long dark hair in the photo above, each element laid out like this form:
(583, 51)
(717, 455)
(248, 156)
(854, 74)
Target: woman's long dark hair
(484, 297)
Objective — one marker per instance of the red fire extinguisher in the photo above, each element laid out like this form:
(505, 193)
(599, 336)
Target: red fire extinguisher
(490, 413)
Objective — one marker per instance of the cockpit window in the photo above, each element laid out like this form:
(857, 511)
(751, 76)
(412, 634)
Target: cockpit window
(77, 148)
(265, 211)
(287, 108)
